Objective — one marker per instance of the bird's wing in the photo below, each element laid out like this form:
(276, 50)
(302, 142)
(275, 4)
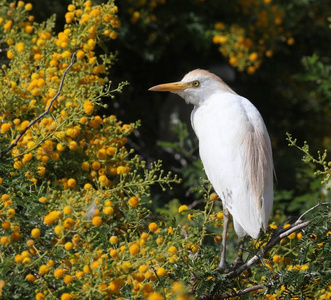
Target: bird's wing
(236, 153)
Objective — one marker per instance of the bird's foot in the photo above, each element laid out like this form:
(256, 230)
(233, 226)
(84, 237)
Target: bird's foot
(237, 262)
(223, 267)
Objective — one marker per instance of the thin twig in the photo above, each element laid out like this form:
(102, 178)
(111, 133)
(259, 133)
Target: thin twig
(312, 208)
(3, 153)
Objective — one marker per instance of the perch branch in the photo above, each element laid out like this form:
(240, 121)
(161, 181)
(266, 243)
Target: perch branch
(299, 224)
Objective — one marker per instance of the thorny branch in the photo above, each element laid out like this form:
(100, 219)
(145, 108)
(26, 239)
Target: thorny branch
(14, 144)
(279, 235)
(297, 225)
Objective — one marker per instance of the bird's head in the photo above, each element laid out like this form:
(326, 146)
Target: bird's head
(196, 86)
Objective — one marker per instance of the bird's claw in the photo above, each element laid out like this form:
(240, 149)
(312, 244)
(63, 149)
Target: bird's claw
(224, 268)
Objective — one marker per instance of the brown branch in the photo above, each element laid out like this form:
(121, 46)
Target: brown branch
(279, 235)
(299, 224)
(3, 153)
(274, 241)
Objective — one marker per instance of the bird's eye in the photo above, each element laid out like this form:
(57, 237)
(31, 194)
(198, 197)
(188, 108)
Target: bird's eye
(195, 83)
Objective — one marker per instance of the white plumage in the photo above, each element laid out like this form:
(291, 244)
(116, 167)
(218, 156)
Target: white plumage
(234, 147)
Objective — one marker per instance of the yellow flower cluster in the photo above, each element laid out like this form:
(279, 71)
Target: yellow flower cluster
(246, 49)
(82, 227)
(143, 10)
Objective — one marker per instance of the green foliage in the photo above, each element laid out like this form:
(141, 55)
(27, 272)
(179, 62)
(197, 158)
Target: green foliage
(317, 77)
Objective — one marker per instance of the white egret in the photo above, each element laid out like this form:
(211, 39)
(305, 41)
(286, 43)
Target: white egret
(234, 147)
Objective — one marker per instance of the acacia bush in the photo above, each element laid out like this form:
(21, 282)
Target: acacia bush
(76, 204)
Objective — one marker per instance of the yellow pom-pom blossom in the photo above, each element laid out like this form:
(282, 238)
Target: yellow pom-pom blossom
(66, 296)
(161, 272)
(43, 269)
(182, 209)
(58, 273)
(35, 232)
(5, 225)
(134, 249)
(153, 227)
(108, 211)
(43, 200)
(28, 6)
(96, 221)
(67, 279)
(5, 127)
(133, 202)
(29, 277)
(4, 240)
(155, 296)
(172, 250)
(68, 246)
(10, 213)
(85, 166)
(68, 223)
(113, 239)
(68, 210)
(40, 296)
(71, 183)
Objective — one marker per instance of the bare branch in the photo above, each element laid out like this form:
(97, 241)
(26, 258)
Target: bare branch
(312, 208)
(275, 240)
(3, 153)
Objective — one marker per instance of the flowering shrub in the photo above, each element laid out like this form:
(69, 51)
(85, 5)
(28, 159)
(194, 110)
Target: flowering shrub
(75, 213)
(247, 45)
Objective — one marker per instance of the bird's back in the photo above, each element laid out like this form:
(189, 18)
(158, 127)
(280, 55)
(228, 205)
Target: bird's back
(236, 153)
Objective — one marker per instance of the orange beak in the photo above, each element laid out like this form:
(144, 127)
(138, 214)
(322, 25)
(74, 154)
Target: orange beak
(170, 87)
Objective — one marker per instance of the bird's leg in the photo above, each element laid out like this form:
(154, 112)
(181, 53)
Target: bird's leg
(223, 266)
(239, 260)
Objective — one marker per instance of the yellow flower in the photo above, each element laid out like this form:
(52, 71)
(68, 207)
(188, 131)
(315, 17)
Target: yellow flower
(68, 210)
(134, 249)
(5, 127)
(213, 197)
(29, 277)
(155, 296)
(10, 213)
(71, 7)
(153, 227)
(304, 267)
(96, 221)
(113, 239)
(121, 170)
(172, 250)
(20, 47)
(68, 246)
(4, 240)
(68, 223)
(71, 183)
(58, 273)
(133, 201)
(68, 279)
(43, 269)
(35, 232)
(40, 296)
(28, 6)
(161, 272)
(253, 56)
(108, 210)
(182, 209)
